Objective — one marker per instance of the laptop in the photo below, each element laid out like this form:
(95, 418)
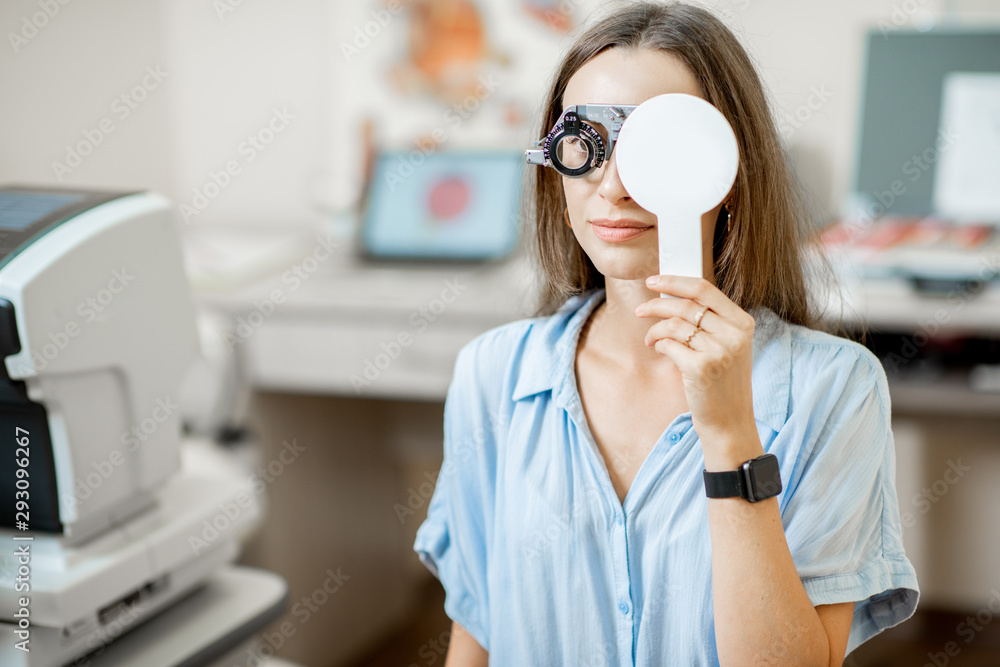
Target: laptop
(459, 206)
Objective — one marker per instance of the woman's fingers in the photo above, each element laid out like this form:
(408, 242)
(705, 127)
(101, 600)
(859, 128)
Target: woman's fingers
(685, 309)
(705, 294)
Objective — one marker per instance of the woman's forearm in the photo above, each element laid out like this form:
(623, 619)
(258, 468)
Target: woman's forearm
(762, 612)
(464, 650)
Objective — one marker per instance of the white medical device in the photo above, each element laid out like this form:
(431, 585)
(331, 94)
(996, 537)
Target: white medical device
(677, 158)
(101, 524)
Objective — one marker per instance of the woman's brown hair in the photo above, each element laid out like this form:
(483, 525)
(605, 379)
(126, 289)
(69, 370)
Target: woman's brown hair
(760, 261)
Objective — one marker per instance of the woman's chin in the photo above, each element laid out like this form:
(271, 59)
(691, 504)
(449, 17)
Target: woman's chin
(623, 268)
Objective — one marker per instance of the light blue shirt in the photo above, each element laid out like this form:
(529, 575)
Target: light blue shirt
(543, 565)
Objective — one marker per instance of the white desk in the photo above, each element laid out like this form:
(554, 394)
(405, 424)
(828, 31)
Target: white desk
(894, 304)
(313, 330)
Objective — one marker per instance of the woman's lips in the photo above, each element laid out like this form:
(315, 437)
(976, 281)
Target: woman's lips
(615, 234)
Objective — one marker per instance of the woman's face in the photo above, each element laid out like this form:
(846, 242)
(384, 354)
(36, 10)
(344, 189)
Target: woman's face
(619, 76)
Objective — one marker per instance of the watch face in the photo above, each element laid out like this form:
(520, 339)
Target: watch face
(765, 478)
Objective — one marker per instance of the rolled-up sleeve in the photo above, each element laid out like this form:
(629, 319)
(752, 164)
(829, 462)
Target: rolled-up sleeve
(453, 540)
(840, 510)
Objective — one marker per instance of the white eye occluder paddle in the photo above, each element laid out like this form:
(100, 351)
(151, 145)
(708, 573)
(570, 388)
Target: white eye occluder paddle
(677, 158)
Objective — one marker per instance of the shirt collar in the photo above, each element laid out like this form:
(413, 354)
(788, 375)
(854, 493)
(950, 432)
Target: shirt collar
(548, 357)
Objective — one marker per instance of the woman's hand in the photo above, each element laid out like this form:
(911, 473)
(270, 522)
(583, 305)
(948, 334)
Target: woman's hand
(716, 368)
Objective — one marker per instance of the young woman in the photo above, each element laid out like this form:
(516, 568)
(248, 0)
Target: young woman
(587, 511)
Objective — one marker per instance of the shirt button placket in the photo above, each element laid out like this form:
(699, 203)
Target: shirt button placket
(623, 587)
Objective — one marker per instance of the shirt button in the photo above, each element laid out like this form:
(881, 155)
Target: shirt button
(674, 437)
(618, 519)
(623, 606)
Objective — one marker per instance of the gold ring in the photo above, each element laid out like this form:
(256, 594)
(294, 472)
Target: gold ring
(697, 319)
(688, 341)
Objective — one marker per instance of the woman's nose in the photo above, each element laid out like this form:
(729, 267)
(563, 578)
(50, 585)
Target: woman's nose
(611, 187)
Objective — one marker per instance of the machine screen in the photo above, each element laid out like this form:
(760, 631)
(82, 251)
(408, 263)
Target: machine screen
(18, 210)
(27, 212)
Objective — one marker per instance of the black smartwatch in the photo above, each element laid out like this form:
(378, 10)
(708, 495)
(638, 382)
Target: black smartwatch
(755, 480)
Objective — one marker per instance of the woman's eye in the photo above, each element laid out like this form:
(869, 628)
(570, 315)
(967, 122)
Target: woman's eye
(572, 151)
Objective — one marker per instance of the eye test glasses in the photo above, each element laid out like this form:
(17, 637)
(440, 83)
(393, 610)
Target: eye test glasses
(575, 147)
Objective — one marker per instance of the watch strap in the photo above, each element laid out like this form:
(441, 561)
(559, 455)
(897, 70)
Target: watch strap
(725, 484)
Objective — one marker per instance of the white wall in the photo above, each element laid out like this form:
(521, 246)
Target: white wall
(236, 72)
(64, 81)
(223, 75)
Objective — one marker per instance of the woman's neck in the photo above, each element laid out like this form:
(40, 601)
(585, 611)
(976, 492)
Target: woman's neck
(615, 332)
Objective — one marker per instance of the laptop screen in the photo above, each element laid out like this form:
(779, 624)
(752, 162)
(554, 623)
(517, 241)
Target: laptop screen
(446, 205)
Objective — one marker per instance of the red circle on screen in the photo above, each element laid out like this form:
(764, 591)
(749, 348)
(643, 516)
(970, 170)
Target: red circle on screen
(448, 197)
